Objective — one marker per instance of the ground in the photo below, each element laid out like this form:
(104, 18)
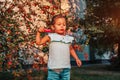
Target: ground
(89, 72)
(85, 72)
(94, 72)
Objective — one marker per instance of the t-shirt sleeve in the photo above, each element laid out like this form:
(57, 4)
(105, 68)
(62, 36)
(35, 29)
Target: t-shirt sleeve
(51, 36)
(69, 39)
(72, 39)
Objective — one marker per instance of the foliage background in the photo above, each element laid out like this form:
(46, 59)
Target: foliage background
(20, 19)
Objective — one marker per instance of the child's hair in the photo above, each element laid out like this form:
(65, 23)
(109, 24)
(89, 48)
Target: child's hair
(56, 17)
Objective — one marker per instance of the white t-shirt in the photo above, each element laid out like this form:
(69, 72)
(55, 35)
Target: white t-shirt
(59, 51)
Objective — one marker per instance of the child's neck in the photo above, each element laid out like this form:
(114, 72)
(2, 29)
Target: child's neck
(63, 34)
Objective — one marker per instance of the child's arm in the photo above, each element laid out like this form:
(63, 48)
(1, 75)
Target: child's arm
(39, 40)
(73, 53)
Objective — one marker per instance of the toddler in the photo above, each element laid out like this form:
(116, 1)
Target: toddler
(60, 49)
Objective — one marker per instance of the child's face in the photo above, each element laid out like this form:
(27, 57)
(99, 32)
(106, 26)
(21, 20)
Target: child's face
(60, 26)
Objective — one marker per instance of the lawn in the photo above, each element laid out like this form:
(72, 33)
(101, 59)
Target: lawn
(92, 72)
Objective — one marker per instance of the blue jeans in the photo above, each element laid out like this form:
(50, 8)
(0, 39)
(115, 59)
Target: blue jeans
(64, 74)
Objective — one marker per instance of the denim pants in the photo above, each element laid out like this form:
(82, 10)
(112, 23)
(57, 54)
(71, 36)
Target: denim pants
(63, 74)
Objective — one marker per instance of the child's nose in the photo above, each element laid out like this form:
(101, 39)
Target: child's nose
(62, 26)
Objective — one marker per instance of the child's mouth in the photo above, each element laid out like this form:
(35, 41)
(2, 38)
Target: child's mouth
(61, 29)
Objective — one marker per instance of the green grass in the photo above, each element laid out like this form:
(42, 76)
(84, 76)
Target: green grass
(97, 72)
(94, 77)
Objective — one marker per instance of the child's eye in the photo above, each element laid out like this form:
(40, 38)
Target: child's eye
(64, 24)
(58, 24)
(61, 24)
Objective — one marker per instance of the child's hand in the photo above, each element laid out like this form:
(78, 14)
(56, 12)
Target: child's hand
(41, 29)
(79, 63)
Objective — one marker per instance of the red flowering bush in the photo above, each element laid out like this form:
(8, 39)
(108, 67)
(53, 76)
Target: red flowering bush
(19, 21)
